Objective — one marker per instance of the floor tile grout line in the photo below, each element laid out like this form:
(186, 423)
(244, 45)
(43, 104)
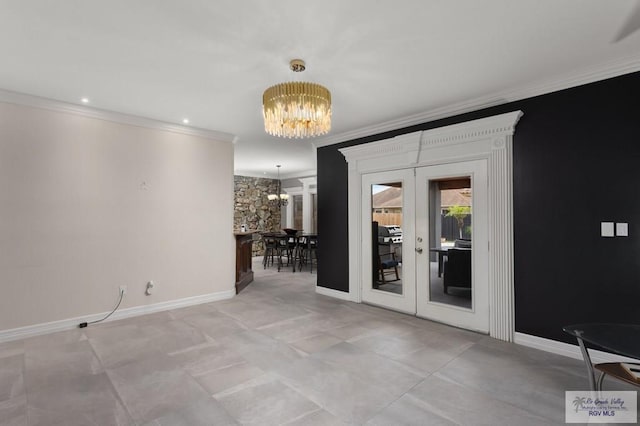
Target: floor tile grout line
(440, 376)
(288, 422)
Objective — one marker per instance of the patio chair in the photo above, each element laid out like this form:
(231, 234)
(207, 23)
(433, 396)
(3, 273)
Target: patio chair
(387, 262)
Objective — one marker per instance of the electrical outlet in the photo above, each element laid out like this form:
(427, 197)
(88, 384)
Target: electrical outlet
(150, 286)
(123, 289)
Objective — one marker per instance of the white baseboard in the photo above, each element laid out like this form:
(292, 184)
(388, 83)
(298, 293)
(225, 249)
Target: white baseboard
(566, 349)
(71, 323)
(333, 293)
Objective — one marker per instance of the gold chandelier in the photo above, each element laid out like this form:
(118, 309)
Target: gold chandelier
(297, 109)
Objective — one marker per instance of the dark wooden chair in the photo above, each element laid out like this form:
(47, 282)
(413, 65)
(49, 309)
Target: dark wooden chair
(307, 251)
(387, 262)
(272, 250)
(290, 244)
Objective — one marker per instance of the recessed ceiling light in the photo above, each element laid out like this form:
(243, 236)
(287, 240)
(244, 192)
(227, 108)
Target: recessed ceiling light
(185, 121)
(85, 100)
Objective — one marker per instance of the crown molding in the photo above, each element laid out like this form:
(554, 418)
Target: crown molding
(612, 69)
(22, 99)
(283, 176)
(310, 173)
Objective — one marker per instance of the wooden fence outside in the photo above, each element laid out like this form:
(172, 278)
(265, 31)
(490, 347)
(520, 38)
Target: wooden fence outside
(388, 218)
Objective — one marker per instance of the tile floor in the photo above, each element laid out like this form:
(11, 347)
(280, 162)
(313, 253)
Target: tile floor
(280, 354)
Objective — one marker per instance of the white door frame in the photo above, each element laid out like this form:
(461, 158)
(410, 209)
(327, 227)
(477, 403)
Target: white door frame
(490, 138)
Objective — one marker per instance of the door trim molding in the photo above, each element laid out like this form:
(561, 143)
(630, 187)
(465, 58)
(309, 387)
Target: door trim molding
(488, 138)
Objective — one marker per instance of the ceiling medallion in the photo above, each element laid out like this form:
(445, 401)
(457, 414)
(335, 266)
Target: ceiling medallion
(297, 109)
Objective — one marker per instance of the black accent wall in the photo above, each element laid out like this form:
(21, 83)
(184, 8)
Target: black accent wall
(576, 164)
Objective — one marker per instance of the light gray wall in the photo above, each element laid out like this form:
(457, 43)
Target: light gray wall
(87, 205)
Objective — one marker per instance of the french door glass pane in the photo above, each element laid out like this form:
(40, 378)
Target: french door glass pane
(450, 241)
(386, 232)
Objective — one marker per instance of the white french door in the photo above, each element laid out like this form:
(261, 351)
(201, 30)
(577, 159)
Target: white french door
(388, 274)
(452, 268)
(438, 268)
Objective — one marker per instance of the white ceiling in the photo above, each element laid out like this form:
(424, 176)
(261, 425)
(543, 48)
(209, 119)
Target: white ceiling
(391, 62)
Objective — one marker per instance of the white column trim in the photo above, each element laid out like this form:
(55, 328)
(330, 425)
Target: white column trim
(306, 204)
(501, 291)
(293, 191)
(305, 191)
(355, 232)
(489, 138)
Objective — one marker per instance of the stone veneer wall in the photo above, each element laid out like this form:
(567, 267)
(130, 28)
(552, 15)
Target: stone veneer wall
(252, 208)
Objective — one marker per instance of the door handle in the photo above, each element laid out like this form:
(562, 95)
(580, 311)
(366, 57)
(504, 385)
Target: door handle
(419, 249)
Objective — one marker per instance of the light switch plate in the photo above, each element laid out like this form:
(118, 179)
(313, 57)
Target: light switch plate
(622, 229)
(606, 229)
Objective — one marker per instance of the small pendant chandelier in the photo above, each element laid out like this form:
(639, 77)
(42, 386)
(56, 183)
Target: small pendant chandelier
(297, 109)
(278, 199)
